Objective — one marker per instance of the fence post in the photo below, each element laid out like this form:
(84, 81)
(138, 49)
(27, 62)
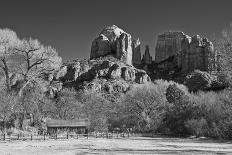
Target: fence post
(67, 135)
(56, 136)
(31, 136)
(18, 136)
(77, 136)
(87, 136)
(4, 136)
(44, 136)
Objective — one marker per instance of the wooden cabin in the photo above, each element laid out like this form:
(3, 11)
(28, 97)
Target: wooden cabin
(78, 126)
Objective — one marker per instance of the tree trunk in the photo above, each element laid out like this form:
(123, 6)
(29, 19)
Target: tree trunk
(22, 88)
(6, 71)
(4, 125)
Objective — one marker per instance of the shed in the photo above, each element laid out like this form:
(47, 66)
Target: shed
(76, 125)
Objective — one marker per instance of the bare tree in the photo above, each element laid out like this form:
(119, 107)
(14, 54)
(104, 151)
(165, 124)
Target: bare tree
(34, 60)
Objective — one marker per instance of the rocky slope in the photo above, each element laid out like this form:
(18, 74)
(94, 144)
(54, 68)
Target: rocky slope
(106, 74)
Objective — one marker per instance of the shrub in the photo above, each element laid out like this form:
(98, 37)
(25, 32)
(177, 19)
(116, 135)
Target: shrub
(197, 127)
(174, 94)
(213, 111)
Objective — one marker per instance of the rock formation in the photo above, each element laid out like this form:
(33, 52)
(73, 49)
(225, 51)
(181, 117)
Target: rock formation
(112, 41)
(176, 50)
(101, 74)
(136, 53)
(109, 68)
(198, 80)
(147, 59)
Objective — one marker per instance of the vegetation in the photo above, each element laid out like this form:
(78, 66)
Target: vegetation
(157, 107)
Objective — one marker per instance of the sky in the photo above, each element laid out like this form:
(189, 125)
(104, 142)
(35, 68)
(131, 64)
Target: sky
(70, 26)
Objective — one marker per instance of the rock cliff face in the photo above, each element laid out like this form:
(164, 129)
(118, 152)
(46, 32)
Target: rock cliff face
(113, 41)
(147, 59)
(136, 57)
(176, 50)
(109, 68)
(112, 55)
(101, 74)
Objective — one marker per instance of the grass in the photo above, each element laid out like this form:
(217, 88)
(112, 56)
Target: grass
(133, 145)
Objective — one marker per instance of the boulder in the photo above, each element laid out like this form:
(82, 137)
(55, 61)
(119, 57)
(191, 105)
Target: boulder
(142, 77)
(120, 86)
(61, 72)
(112, 41)
(109, 88)
(199, 80)
(68, 72)
(114, 72)
(128, 73)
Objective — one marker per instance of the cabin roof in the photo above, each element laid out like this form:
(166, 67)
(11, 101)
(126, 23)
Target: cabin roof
(68, 123)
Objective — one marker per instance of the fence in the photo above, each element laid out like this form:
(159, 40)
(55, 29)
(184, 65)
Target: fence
(31, 137)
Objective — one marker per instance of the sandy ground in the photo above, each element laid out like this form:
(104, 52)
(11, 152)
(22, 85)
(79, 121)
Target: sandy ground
(115, 146)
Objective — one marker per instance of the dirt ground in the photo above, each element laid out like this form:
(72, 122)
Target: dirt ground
(124, 146)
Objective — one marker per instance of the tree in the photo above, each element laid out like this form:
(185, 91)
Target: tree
(26, 62)
(145, 106)
(7, 102)
(35, 60)
(216, 109)
(65, 106)
(8, 40)
(223, 46)
(174, 94)
(97, 109)
(179, 110)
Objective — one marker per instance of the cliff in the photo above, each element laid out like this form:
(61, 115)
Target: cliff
(176, 50)
(112, 41)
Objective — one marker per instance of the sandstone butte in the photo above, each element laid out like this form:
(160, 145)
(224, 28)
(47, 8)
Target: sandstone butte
(114, 58)
(176, 50)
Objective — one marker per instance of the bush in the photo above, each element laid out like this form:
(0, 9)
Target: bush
(174, 94)
(216, 109)
(197, 127)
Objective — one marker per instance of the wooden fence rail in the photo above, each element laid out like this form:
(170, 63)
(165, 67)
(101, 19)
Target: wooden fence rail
(31, 137)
